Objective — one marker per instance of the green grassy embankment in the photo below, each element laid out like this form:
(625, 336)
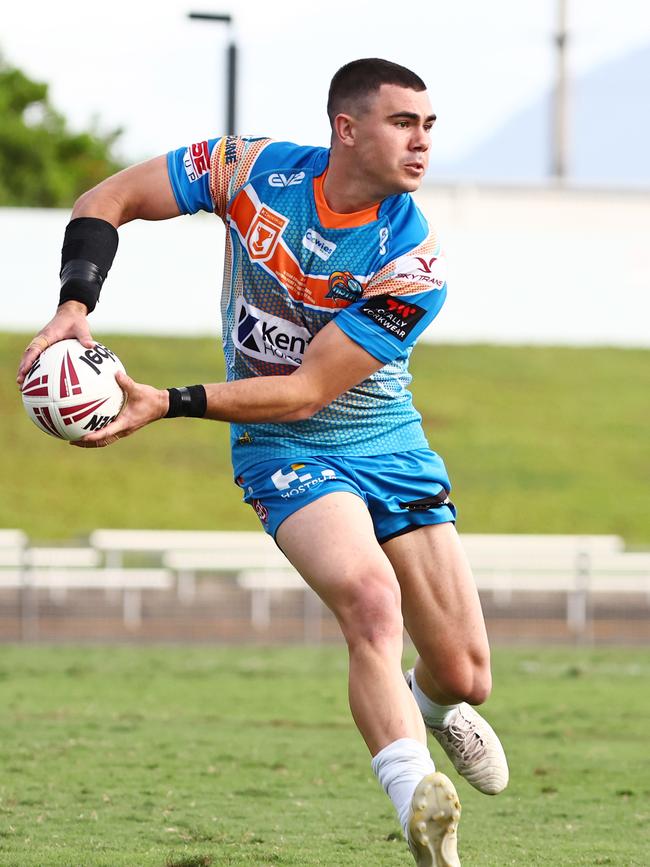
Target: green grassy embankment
(536, 439)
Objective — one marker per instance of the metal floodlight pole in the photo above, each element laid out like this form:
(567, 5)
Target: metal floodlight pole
(231, 66)
(232, 88)
(560, 101)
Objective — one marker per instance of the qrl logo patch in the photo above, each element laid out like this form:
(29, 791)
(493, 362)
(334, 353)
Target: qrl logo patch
(393, 314)
(264, 234)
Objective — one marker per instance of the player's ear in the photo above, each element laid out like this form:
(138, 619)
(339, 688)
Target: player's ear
(344, 129)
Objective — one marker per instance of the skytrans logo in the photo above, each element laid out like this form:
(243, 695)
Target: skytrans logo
(429, 271)
(268, 338)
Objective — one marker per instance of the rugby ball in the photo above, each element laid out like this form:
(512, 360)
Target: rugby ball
(71, 391)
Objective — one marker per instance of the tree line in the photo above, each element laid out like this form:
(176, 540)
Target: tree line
(42, 162)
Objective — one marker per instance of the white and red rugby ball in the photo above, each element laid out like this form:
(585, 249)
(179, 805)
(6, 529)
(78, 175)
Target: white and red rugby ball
(71, 391)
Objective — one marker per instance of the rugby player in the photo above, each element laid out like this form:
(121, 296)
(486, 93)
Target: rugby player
(331, 274)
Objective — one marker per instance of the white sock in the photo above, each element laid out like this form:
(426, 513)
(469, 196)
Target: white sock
(399, 767)
(436, 716)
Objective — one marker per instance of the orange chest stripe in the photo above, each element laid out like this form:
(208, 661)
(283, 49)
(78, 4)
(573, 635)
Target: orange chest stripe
(242, 210)
(301, 287)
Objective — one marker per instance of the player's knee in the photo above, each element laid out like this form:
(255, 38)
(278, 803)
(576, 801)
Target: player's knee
(480, 689)
(467, 679)
(372, 613)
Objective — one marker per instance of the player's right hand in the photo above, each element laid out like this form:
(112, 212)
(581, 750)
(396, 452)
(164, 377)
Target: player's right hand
(142, 405)
(69, 321)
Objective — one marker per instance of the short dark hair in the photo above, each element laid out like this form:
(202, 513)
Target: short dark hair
(359, 79)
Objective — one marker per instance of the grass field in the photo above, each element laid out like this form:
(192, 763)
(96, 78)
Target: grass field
(536, 440)
(175, 757)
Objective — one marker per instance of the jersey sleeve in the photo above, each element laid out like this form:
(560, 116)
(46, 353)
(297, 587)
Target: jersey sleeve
(205, 175)
(398, 302)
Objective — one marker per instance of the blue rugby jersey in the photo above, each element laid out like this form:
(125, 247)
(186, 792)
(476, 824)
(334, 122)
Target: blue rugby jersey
(291, 266)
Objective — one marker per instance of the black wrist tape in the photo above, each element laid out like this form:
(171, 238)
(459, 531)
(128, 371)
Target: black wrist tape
(89, 247)
(191, 400)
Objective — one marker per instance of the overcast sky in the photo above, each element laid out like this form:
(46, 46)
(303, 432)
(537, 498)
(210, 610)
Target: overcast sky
(142, 65)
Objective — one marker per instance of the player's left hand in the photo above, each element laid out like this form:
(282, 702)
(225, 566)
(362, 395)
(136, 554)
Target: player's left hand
(142, 405)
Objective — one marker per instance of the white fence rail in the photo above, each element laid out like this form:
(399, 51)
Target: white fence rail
(582, 569)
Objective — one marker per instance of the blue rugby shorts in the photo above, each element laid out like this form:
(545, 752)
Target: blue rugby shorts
(401, 491)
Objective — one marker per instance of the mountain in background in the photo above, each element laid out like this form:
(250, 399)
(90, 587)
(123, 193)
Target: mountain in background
(608, 139)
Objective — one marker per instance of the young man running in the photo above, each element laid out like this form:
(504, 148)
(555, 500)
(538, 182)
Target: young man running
(331, 274)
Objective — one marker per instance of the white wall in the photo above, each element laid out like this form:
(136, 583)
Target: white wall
(544, 265)
(526, 265)
(164, 281)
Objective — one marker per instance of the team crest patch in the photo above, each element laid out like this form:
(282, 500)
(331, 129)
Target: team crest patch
(393, 314)
(261, 510)
(343, 285)
(264, 234)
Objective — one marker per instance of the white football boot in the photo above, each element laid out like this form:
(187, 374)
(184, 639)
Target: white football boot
(473, 748)
(433, 823)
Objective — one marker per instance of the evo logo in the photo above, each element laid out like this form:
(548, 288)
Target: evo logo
(269, 338)
(279, 179)
(315, 242)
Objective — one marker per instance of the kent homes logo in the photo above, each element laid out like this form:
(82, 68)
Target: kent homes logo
(268, 338)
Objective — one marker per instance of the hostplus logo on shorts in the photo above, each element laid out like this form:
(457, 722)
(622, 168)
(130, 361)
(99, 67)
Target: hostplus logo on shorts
(294, 482)
(269, 338)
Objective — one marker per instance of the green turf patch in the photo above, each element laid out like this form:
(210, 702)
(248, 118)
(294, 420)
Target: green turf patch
(537, 439)
(189, 861)
(183, 757)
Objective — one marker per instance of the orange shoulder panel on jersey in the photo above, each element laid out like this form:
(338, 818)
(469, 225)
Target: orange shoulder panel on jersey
(230, 165)
(422, 268)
